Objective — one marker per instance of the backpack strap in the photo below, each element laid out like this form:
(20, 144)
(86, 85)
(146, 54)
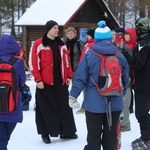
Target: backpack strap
(12, 60)
(103, 55)
(102, 63)
(1, 61)
(108, 111)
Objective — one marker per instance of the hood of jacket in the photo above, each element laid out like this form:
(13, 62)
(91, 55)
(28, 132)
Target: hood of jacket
(105, 47)
(132, 33)
(8, 45)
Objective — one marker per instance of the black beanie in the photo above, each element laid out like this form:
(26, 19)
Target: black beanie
(91, 33)
(50, 24)
(117, 30)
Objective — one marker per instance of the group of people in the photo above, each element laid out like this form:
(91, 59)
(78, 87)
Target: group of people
(128, 40)
(55, 61)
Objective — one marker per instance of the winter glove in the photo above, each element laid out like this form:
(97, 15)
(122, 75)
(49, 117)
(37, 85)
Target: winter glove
(73, 102)
(126, 49)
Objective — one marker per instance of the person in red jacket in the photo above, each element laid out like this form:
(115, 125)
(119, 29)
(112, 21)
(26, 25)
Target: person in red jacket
(130, 41)
(50, 66)
(89, 42)
(87, 46)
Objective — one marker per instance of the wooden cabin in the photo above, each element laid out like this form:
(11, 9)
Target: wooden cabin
(75, 13)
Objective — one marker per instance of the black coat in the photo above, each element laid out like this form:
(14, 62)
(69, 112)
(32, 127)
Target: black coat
(53, 114)
(140, 62)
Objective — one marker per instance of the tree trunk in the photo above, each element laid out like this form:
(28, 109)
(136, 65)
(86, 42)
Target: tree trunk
(12, 21)
(24, 28)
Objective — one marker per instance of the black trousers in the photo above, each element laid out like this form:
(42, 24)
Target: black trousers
(99, 133)
(53, 114)
(132, 100)
(142, 107)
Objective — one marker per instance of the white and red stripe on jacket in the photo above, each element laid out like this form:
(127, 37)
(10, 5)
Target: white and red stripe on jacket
(41, 63)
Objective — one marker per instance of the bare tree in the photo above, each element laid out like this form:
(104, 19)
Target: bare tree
(142, 5)
(5, 14)
(118, 8)
(12, 20)
(147, 2)
(127, 11)
(10, 11)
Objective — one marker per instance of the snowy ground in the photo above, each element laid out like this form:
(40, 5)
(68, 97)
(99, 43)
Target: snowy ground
(25, 136)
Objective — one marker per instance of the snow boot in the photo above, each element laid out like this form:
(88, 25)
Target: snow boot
(140, 144)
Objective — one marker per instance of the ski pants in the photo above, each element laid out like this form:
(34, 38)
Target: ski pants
(99, 133)
(142, 108)
(126, 113)
(6, 129)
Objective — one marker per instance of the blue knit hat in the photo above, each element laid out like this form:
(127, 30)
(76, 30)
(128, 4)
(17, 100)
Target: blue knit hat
(102, 32)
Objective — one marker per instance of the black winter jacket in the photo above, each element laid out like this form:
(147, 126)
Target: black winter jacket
(140, 62)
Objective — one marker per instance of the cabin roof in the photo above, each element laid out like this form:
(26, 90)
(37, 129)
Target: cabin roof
(62, 11)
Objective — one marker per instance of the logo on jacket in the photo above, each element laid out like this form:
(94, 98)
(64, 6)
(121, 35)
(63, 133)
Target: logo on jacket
(140, 47)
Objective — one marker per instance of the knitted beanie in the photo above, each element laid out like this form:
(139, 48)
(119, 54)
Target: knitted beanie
(102, 32)
(49, 25)
(117, 30)
(91, 33)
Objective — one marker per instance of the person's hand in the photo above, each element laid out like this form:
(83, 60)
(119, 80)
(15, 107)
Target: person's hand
(126, 49)
(40, 85)
(73, 102)
(68, 81)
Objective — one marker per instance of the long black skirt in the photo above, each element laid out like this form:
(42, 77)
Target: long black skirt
(53, 114)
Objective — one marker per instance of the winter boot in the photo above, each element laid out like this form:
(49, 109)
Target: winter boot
(139, 144)
(147, 143)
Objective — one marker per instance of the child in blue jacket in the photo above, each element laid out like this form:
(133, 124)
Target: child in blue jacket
(26, 97)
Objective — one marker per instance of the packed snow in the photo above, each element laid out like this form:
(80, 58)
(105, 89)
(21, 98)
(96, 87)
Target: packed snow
(25, 136)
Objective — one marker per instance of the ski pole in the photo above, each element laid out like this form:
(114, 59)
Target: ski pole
(108, 111)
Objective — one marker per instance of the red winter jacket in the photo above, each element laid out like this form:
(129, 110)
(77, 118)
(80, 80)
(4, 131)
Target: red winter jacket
(87, 46)
(41, 63)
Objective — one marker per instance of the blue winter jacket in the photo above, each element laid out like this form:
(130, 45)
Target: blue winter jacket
(90, 66)
(8, 48)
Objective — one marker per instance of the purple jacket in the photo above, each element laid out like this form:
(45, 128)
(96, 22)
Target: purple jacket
(8, 48)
